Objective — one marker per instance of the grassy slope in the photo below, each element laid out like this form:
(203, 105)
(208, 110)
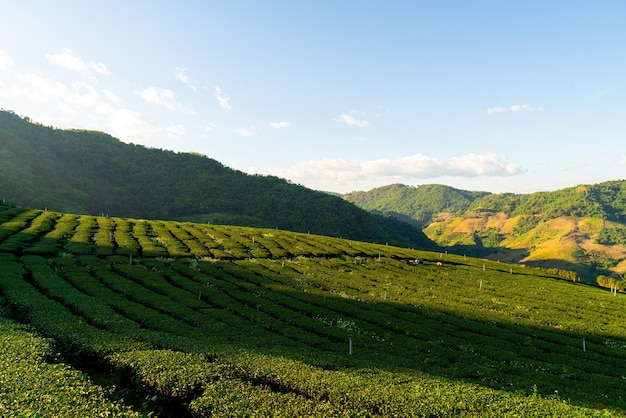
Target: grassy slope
(228, 320)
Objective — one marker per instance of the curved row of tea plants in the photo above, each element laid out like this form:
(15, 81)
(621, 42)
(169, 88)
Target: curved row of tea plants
(43, 232)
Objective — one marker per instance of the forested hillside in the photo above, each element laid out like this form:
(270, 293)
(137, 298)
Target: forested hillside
(423, 203)
(93, 173)
(579, 228)
(420, 204)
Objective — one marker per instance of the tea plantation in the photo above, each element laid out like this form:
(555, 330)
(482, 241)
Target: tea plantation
(126, 317)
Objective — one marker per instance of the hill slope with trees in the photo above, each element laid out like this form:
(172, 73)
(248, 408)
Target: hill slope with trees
(91, 172)
(580, 228)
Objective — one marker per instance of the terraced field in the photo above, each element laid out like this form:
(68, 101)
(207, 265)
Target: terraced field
(208, 320)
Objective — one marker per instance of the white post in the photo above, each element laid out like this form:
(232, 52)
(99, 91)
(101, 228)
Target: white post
(481, 284)
(584, 346)
(350, 345)
(483, 266)
(130, 258)
(199, 295)
(511, 270)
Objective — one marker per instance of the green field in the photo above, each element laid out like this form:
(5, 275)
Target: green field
(141, 317)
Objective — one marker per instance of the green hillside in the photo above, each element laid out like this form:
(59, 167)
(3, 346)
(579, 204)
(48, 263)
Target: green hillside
(93, 173)
(130, 317)
(578, 228)
(420, 204)
(423, 203)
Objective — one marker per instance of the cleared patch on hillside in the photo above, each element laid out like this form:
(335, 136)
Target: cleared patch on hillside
(564, 223)
(614, 252)
(509, 225)
(481, 221)
(562, 248)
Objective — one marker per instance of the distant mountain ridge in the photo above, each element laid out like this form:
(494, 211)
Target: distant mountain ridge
(91, 172)
(582, 228)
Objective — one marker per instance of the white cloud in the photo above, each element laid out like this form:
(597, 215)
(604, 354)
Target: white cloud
(492, 110)
(514, 108)
(526, 108)
(40, 89)
(44, 90)
(163, 97)
(182, 76)
(175, 131)
(5, 60)
(245, 132)
(98, 109)
(417, 165)
(352, 121)
(472, 165)
(69, 61)
(160, 97)
(65, 109)
(341, 171)
(210, 127)
(280, 125)
(85, 95)
(114, 98)
(126, 124)
(222, 98)
(622, 160)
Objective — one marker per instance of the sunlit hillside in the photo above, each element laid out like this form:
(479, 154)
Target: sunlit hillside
(179, 319)
(579, 228)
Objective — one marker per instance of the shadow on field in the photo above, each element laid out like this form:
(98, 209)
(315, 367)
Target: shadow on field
(327, 327)
(473, 345)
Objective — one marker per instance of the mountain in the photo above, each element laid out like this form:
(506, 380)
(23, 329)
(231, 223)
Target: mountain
(581, 228)
(420, 204)
(91, 172)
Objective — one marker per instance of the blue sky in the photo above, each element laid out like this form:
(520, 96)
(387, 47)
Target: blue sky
(500, 96)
